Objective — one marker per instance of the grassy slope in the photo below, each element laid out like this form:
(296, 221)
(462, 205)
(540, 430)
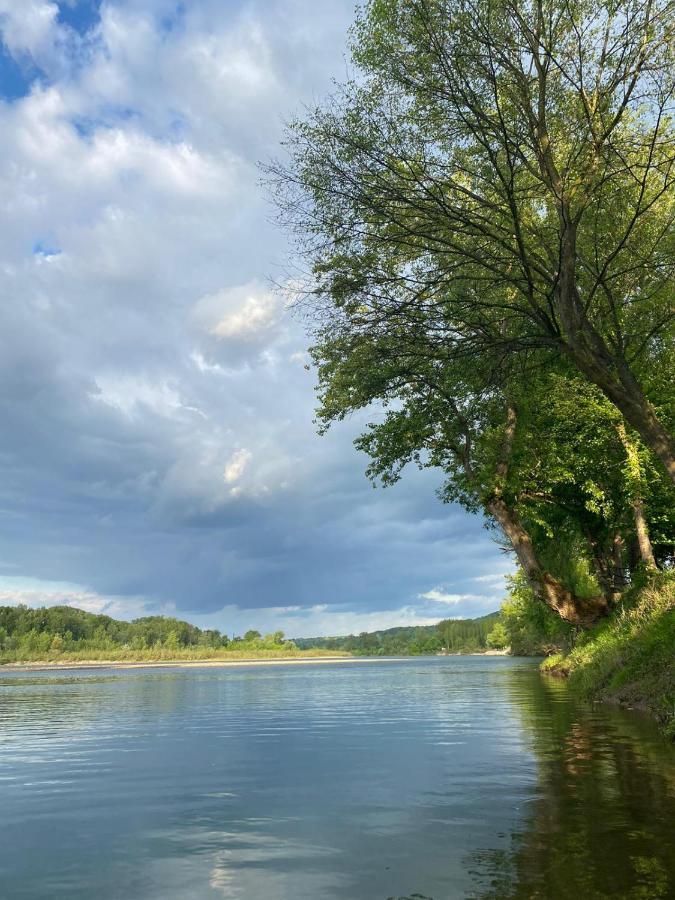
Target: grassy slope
(629, 658)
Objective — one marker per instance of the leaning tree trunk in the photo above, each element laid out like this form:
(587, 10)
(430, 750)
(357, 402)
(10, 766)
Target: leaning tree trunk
(636, 490)
(586, 348)
(642, 534)
(573, 609)
(626, 394)
(547, 588)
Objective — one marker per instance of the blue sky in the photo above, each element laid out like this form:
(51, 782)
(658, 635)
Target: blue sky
(157, 450)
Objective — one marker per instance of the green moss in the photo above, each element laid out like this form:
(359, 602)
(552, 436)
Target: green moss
(630, 657)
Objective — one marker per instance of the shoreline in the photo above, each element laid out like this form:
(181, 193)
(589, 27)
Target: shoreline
(189, 663)
(219, 663)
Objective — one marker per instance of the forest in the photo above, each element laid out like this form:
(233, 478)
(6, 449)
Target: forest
(448, 636)
(64, 632)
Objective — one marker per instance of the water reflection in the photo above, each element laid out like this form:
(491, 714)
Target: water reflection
(602, 822)
(433, 779)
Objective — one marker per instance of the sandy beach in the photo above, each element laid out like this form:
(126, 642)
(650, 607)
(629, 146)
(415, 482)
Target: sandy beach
(192, 663)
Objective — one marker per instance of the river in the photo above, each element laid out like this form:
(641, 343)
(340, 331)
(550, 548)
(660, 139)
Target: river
(443, 778)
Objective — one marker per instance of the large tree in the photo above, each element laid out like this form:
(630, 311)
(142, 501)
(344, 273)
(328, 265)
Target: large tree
(498, 176)
(435, 414)
(546, 458)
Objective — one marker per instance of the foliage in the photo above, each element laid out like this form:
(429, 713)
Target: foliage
(448, 636)
(531, 628)
(498, 638)
(65, 633)
(498, 179)
(575, 476)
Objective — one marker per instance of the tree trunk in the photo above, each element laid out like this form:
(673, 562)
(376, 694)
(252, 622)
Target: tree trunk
(636, 489)
(554, 594)
(619, 567)
(642, 533)
(627, 395)
(546, 587)
(586, 347)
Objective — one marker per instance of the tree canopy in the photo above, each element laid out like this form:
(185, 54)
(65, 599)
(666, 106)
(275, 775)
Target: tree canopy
(27, 634)
(487, 211)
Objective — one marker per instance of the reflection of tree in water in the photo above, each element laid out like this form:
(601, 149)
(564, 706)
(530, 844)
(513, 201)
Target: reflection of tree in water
(603, 824)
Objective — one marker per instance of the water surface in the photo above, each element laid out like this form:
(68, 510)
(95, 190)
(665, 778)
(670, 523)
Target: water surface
(446, 778)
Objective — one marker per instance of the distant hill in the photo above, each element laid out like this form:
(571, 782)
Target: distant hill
(452, 635)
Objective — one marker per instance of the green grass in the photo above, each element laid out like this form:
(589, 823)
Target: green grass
(630, 657)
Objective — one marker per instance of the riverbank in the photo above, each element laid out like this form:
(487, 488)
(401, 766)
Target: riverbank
(159, 655)
(182, 663)
(187, 664)
(630, 658)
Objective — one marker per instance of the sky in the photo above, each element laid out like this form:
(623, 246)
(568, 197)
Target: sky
(157, 451)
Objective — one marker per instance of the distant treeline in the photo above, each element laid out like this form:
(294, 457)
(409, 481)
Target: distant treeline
(450, 635)
(63, 630)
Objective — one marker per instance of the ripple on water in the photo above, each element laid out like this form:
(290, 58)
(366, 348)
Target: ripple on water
(463, 778)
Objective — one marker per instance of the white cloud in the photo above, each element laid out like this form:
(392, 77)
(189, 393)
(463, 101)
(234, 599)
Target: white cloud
(498, 580)
(438, 596)
(236, 466)
(134, 395)
(205, 366)
(300, 357)
(28, 26)
(248, 313)
(33, 592)
(311, 621)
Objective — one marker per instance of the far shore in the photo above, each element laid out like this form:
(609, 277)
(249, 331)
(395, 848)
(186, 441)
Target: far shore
(216, 663)
(187, 663)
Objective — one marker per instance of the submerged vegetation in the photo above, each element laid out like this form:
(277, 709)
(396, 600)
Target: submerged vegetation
(65, 634)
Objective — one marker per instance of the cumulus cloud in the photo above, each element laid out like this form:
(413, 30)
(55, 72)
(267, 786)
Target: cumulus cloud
(439, 596)
(28, 27)
(242, 318)
(36, 593)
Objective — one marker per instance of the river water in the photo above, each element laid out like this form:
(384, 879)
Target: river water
(439, 778)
